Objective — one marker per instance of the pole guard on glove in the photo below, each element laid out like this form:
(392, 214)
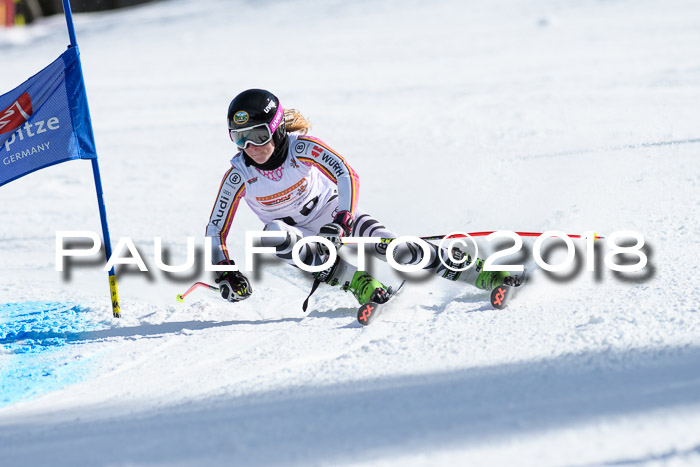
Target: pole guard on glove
(341, 226)
(233, 285)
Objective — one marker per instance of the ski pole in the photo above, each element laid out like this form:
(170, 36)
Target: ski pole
(181, 297)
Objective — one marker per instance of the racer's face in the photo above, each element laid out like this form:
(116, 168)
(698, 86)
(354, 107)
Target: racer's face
(260, 154)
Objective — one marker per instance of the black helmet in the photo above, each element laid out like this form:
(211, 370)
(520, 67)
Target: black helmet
(260, 109)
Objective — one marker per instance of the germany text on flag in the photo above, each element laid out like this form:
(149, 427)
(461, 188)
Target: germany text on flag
(45, 120)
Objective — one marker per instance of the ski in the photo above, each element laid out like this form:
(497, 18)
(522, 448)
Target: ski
(369, 311)
(501, 295)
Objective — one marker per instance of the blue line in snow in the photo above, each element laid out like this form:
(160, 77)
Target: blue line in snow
(38, 351)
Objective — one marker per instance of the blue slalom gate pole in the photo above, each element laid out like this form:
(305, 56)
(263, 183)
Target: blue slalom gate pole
(69, 20)
(116, 310)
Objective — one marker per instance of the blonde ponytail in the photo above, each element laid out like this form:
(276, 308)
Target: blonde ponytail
(294, 121)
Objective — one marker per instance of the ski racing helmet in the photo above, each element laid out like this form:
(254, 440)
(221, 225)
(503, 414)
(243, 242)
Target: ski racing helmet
(255, 117)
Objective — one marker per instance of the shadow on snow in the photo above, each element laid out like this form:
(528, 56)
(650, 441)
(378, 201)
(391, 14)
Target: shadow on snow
(355, 421)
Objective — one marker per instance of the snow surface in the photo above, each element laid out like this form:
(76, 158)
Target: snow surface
(538, 115)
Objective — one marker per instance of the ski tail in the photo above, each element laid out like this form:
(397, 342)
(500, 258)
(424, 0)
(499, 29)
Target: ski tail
(499, 296)
(369, 311)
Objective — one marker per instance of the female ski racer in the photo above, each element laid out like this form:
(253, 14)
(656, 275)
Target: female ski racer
(298, 185)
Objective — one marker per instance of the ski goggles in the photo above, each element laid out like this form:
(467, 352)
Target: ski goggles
(257, 135)
(260, 134)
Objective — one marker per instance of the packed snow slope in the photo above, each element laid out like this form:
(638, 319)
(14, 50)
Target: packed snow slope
(457, 115)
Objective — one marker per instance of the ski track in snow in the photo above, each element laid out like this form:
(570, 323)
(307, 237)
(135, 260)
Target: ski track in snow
(533, 115)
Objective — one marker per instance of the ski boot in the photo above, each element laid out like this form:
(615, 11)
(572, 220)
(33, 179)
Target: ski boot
(489, 280)
(373, 296)
(485, 280)
(363, 286)
(367, 289)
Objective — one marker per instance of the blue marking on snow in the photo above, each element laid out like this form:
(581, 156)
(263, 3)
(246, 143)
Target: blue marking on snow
(39, 348)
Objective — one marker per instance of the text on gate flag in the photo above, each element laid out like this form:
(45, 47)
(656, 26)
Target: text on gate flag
(45, 120)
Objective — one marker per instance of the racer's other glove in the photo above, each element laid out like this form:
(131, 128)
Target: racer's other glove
(340, 227)
(233, 285)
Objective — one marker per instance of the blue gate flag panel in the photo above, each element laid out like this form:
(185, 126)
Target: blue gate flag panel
(45, 120)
